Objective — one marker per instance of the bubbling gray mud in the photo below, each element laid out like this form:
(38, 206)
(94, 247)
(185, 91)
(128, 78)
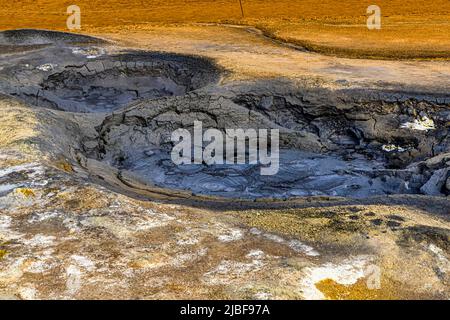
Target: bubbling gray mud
(301, 174)
(349, 143)
(333, 145)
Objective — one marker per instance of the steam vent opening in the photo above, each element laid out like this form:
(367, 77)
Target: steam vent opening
(346, 143)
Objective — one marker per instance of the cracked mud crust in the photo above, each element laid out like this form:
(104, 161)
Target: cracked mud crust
(82, 214)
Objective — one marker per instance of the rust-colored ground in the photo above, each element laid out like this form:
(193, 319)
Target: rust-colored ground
(410, 28)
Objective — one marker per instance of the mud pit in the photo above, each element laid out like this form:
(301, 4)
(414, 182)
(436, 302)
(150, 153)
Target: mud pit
(345, 143)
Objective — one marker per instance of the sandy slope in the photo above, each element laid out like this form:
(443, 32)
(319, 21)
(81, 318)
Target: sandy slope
(249, 54)
(410, 28)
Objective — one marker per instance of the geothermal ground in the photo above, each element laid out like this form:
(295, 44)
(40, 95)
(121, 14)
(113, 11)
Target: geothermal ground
(93, 207)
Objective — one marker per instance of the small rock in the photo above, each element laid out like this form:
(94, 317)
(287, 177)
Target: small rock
(149, 153)
(91, 144)
(46, 67)
(434, 185)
